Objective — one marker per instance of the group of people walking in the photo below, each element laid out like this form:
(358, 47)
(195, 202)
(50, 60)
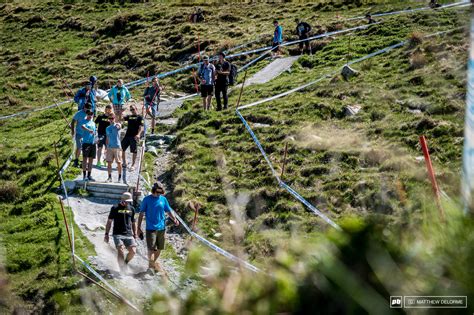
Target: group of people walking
(92, 137)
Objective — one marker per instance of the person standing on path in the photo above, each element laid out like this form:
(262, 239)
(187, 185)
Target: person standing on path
(87, 94)
(222, 81)
(89, 148)
(119, 95)
(76, 130)
(102, 122)
(303, 30)
(207, 75)
(122, 216)
(154, 207)
(152, 99)
(277, 39)
(113, 148)
(132, 136)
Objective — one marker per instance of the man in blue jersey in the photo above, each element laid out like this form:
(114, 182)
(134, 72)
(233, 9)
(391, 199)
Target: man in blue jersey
(89, 147)
(76, 130)
(277, 39)
(87, 94)
(154, 207)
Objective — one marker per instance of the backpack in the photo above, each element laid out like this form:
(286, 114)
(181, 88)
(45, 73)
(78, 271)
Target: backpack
(232, 74)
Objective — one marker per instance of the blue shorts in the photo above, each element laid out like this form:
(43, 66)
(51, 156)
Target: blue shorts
(78, 139)
(154, 109)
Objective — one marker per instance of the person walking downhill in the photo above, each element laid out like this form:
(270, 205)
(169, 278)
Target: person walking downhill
(132, 136)
(87, 94)
(89, 148)
(207, 75)
(222, 81)
(102, 122)
(119, 95)
(76, 130)
(122, 216)
(154, 207)
(277, 39)
(303, 30)
(152, 99)
(113, 148)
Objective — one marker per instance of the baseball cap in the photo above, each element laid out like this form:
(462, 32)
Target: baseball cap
(158, 186)
(205, 58)
(93, 79)
(126, 196)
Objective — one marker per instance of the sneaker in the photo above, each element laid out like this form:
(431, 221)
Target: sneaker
(132, 168)
(90, 178)
(124, 181)
(109, 180)
(119, 179)
(85, 179)
(76, 163)
(99, 164)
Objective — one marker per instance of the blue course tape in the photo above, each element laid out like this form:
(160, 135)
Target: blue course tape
(455, 4)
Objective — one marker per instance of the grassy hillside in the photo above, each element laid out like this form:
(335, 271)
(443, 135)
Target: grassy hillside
(361, 170)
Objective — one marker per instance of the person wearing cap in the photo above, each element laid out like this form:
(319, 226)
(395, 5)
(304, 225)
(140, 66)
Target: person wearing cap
(87, 94)
(154, 207)
(207, 75)
(222, 81)
(132, 135)
(119, 95)
(124, 233)
(89, 147)
(76, 130)
(102, 122)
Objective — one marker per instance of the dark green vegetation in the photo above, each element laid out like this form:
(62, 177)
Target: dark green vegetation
(361, 170)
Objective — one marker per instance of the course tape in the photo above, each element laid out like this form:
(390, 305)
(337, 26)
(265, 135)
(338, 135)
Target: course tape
(259, 145)
(455, 4)
(209, 244)
(35, 110)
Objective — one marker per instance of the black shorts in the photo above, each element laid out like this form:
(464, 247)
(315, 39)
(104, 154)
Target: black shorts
(129, 142)
(207, 90)
(306, 43)
(88, 150)
(102, 139)
(276, 46)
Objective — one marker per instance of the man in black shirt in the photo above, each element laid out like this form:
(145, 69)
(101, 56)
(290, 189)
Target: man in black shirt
(102, 122)
(132, 136)
(303, 29)
(222, 81)
(124, 233)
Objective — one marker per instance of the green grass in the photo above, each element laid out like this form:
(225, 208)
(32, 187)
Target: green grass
(372, 185)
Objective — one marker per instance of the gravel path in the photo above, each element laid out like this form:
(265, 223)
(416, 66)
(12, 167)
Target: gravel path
(272, 70)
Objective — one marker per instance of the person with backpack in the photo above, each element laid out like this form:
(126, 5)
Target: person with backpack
(152, 99)
(87, 94)
(207, 75)
(277, 39)
(303, 30)
(119, 95)
(222, 81)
